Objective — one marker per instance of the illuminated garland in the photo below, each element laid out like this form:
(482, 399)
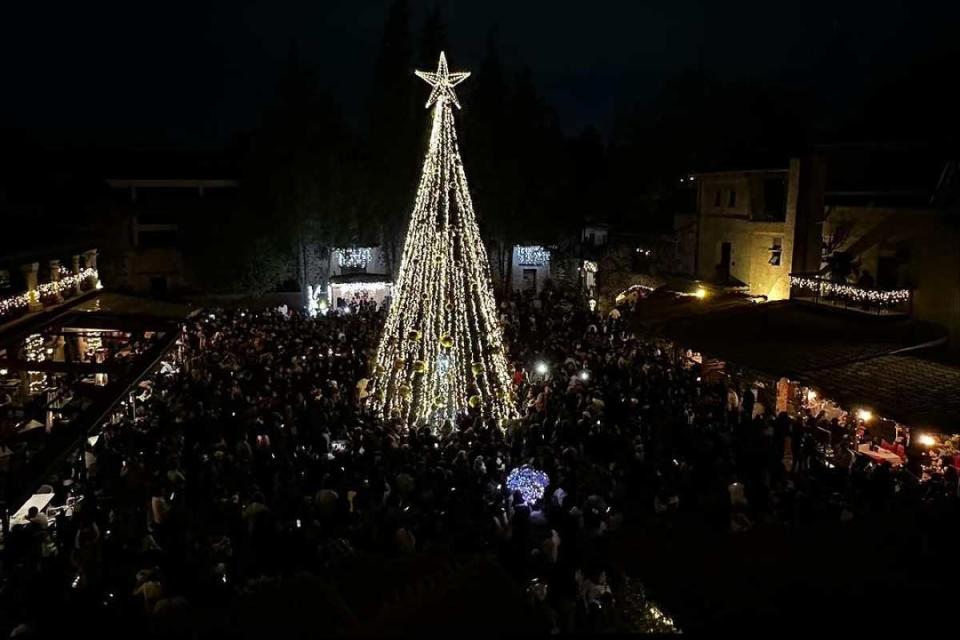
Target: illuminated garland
(441, 353)
(530, 482)
(533, 256)
(354, 258)
(851, 292)
(590, 266)
(21, 302)
(33, 350)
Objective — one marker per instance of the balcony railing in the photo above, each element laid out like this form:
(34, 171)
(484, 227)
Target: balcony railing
(818, 289)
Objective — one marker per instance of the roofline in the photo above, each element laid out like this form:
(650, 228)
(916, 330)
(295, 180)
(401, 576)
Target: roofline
(737, 171)
(186, 183)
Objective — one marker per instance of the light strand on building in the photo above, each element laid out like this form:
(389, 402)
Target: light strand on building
(851, 292)
(21, 302)
(354, 257)
(533, 256)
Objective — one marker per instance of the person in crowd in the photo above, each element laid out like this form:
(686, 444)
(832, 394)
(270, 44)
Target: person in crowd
(256, 457)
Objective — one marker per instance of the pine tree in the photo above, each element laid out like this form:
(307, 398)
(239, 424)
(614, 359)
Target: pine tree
(441, 353)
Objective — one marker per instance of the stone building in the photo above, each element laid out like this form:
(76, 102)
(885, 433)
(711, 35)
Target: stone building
(745, 229)
(155, 216)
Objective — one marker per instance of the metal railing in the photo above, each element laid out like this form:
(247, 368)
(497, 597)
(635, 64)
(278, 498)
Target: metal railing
(819, 289)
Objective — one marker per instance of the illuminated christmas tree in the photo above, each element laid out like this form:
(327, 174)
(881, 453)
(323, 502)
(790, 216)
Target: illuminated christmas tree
(441, 353)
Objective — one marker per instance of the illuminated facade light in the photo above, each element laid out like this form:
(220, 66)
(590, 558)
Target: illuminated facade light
(354, 258)
(700, 293)
(21, 302)
(533, 256)
(865, 415)
(441, 353)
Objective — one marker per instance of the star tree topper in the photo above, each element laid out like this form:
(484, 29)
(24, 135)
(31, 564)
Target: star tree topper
(442, 82)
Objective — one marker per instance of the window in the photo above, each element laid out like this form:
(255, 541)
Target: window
(157, 239)
(716, 198)
(776, 251)
(775, 199)
(732, 202)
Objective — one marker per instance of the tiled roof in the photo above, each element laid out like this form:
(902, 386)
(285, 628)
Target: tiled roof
(910, 389)
(784, 338)
(849, 358)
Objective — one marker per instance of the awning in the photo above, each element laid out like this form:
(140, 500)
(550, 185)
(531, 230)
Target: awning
(855, 360)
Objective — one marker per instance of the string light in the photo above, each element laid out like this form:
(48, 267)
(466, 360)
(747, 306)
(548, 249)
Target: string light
(442, 82)
(441, 353)
(851, 292)
(530, 482)
(354, 258)
(21, 302)
(533, 256)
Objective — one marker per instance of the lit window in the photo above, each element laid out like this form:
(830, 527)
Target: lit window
(776, 251)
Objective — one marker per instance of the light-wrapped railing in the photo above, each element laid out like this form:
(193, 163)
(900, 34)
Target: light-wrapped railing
(18, 304)
(820, 289)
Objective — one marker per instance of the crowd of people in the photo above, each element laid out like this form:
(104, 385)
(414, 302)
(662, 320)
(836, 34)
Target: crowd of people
(252, 459)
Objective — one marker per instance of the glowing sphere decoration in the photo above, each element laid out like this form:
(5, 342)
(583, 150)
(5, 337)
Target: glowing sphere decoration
(530, 482)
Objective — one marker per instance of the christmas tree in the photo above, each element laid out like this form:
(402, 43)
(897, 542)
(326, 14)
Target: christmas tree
(441, 353)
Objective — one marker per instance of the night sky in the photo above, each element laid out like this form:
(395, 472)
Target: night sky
(199, 72)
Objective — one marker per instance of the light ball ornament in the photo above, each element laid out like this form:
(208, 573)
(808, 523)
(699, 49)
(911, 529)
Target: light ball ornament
(474, 401)
(477, 368)
(530, 482)
(420, 367)
(446, 341)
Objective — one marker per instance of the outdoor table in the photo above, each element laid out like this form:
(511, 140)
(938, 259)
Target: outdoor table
(38, 500)
(881, 455)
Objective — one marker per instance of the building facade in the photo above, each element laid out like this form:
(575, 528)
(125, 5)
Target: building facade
(154, 214)
(745, 227)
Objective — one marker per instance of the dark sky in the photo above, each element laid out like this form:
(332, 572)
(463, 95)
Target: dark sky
(198, 71)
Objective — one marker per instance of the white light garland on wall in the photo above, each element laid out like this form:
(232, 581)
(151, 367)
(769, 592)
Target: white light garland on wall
(533, 256)
(354, 257)
(20, 302)
(33, 350)
(441, 353)
(851, 292)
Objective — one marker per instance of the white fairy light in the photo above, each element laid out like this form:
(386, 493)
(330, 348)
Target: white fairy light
(442, 82)
(533, 256)
(354, 257)
(20, 302)
(851, 292)
(441, 353)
